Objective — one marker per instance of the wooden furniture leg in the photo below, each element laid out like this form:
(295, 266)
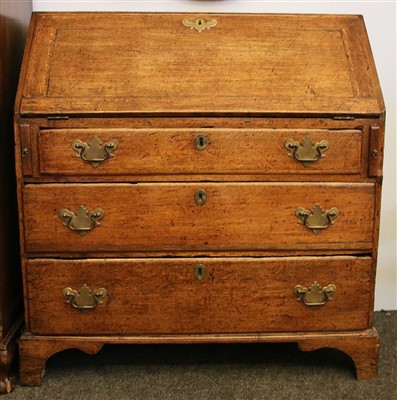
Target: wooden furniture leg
(6, 380)
(363, 349)
(35, 353)
(361, 346)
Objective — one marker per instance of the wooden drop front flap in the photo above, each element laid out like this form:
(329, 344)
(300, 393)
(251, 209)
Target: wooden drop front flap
(198, 178)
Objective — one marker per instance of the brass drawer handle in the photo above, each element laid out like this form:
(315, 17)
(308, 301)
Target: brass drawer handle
(83, 220)
(199, 24)
(200, 197)
(306, 151)
(84, 298)
(317, 218)
(201, 142)
(94, 151)
(199, 272)
(315, 295)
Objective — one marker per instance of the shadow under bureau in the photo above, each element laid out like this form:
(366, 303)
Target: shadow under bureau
(198, 178)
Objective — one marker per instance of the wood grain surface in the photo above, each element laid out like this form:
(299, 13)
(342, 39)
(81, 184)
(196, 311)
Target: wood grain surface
(248, 84)
(129, 63)
(362, 346)
(163, 296)
(165, 217)
(174, 151)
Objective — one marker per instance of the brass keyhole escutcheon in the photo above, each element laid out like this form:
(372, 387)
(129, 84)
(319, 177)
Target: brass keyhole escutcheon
(199, 272)
(199, 24)
(200, 197)
(201, 142)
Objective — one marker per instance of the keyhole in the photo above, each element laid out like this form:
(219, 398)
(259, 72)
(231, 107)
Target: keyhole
(201, 142)
(200, 197)
(199, 272)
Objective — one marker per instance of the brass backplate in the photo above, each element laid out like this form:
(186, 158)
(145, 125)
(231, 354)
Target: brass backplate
(83, 220)
(317, 219)
(315, 295)
(94, 152)
(306, 151)
(84, 298)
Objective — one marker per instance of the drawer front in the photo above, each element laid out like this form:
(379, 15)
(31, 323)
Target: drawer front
(165, 295)
(93, 152)
(166, 217)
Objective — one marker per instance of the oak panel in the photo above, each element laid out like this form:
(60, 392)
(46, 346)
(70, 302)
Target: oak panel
(152, 63)
(174, 151)
(165, 217)
(163, 296)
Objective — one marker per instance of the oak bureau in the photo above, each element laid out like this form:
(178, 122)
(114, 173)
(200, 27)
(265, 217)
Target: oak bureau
(198, 178)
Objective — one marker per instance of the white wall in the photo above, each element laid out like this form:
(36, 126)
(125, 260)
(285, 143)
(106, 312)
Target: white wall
(380, 18)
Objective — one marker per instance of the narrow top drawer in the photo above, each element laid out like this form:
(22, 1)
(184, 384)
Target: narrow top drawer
(99, 152)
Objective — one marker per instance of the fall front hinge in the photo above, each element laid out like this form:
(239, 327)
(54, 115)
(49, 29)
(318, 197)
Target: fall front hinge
(57, 117)
(344, 117)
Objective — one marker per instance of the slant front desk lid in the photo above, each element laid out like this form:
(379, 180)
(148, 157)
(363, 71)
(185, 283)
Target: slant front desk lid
(198, 64)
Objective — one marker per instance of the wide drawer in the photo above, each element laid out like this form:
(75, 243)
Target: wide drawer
(198, 151)
(166, 296)
(166, 217)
